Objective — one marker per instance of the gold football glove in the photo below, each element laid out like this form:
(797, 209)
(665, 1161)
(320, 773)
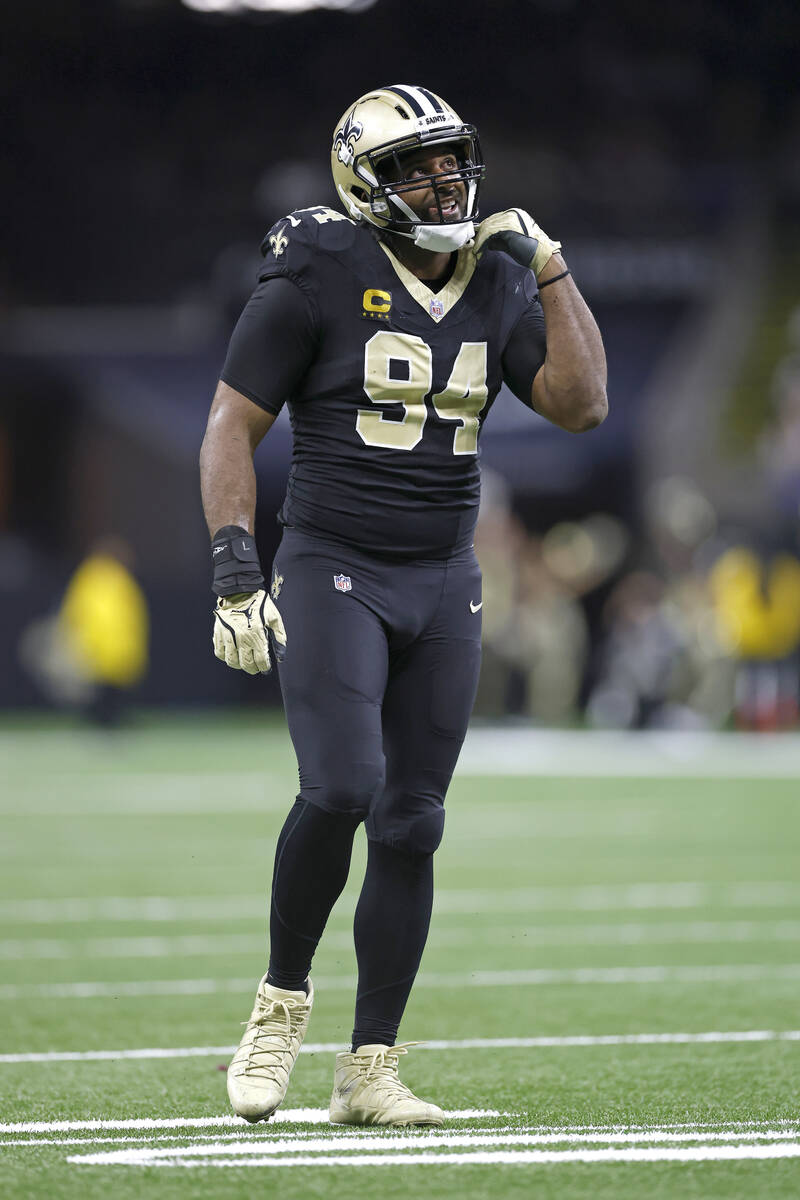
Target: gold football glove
(243, 628)
(516, 232)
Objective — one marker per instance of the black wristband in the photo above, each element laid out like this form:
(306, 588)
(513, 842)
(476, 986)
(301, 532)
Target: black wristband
(553, 279)
(236, 564)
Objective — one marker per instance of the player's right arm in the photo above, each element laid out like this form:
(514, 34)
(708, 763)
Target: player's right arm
(245, 616)
(227, 477)
(270, 349)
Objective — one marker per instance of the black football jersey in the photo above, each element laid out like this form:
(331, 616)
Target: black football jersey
(388, 382)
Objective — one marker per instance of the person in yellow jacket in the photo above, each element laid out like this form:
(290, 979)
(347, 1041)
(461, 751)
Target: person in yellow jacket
(104, 617)
(96, 647)
(757, 608)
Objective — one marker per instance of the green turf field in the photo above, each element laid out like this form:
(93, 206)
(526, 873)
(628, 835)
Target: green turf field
(624, 950)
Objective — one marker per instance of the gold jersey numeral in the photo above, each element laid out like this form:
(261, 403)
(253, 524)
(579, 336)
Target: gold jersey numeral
(465, 395)
(398, 369)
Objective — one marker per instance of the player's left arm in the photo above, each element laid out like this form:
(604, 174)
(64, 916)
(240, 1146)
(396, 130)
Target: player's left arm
(570, 386)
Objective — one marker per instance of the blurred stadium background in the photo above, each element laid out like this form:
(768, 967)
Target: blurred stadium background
(646, 575)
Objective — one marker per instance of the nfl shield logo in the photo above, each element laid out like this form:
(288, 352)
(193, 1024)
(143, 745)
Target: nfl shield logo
(342, 583)
(437, 308)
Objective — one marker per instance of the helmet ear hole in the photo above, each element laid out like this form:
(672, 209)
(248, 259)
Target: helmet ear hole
(359, 193)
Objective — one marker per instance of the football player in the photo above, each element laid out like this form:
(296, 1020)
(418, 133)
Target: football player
(388, 328)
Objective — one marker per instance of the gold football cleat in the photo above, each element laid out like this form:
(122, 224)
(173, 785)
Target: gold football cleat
(368, 1091)
(259, 1072)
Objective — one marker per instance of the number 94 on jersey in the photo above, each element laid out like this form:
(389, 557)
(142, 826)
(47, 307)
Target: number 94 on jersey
(398, 369)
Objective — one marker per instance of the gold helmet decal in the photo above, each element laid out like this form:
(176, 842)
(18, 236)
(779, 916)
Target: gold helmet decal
(345, 138)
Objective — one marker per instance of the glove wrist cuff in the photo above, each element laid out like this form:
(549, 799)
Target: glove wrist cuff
(544, 252)
(237, 568)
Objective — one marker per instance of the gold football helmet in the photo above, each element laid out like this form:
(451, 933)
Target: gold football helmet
(367, 162)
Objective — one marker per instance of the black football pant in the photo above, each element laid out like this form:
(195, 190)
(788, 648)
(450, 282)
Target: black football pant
(378, 683)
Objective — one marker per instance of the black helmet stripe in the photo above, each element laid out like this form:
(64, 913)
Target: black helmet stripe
(437, 106)
(409, 98)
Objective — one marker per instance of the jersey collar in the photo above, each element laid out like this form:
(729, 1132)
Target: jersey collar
(436, 304)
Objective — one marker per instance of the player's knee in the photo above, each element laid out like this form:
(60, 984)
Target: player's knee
(421, 835)
(351, 789)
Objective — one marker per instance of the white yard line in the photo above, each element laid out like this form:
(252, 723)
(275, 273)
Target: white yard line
(435, 1138)
(227, 1149)
(521, 1043)
(724, 973)
(469, 1138)
(535, 977)
(345, 1137)
(319, 1116)
(202, 1157)
(215, 945)
(565, 753)
(179, 946)
(131, 908)
(115, 1055)
(104, 1141)
(286, 1116)
(147, 1138)
(148, 793)
(602, 897)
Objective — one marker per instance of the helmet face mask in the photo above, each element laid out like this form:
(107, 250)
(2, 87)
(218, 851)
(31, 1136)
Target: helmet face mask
(394, 183)
(371, 142)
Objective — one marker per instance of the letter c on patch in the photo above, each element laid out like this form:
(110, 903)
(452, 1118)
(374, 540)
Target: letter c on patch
(376, 301)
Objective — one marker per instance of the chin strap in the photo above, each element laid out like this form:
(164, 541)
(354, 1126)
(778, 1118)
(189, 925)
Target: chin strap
(436, 237)
(443, 237)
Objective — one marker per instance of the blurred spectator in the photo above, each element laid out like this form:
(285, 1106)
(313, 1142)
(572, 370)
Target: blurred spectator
(535, 632)
(549, 636)
(499, 538)
(680, 521)
(662, 665)
(662, 662)
(757, 606)
(583, 555)
(638, 658)
(95, 649)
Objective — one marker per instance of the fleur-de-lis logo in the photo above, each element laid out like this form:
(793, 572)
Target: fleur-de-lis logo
(277, 583)
(345, 139)
(278, 242)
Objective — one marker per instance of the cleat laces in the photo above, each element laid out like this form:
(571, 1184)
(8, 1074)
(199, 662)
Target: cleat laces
(276, 1029)
(380, 1070)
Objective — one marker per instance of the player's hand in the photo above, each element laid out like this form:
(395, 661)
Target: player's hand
(243, 626)
(516, 232)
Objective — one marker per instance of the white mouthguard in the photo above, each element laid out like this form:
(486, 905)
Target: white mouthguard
(444, 237)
